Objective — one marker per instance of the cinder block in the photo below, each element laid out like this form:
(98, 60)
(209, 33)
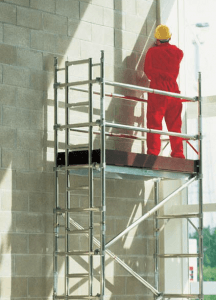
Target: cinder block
(7, 137)
(128, 6)
(68, 8)
(37, 162)
(28, 265)
(135, 24)
(30, 18)
(48, 5)
(40, 287)
(109, 36)
(14, 287)
(91, 13)
(67, 47)
(55, 24)
(16, 76)
(14, 243)
(80, 29)
(17, 36)
(14, 200)
(143, 7)
(16, 159)
(48, 223)
(109, 17)
(8, 54)
(29, 139)
(8, 95)
(32, 181)
(7, 13)
(1, 74)
(125, 40)
(7, 265)
(43, 41)
(19, 2)
(134, 287)
(40, 243)
(108, 4)
(41, 202)
(48, 62)
(29, 223)
(29, 59)
(98, 34)
(1, 33)
(47, 265)
(119, 288)
(6, 222)
(26, 98)
(39, 80)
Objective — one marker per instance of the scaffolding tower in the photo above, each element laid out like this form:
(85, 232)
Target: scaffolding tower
(70, 162)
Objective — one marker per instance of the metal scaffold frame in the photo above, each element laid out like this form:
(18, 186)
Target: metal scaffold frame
(93, 168)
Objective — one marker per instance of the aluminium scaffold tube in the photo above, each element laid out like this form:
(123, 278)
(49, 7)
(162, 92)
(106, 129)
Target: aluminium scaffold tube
(148, 214)
(201, 251)
(182, 135)
(103, 176)
(118, 260)
(153, 91)
(56, 185)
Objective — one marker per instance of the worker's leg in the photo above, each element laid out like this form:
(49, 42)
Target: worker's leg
(155, 113)
(174, 123)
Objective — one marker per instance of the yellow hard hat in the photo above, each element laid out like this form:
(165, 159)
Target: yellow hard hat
(162, 32)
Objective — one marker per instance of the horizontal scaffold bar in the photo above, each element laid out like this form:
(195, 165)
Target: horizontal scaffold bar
(179, 216)
(153, 91)
(185, 136)
(183, 255)
(77, 297)
(111, 134)
(77, 62)
(118, 260)
(151, 212)
(189, 296)
(78, 125)
(81, 82)
(113, 95)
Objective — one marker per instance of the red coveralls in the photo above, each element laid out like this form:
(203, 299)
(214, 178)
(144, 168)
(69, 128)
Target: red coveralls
(162, 64)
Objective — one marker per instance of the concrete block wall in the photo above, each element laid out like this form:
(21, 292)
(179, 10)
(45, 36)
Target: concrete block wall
(32, 33)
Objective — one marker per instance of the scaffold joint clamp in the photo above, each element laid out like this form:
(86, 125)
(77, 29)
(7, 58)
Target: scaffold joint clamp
(56, 126)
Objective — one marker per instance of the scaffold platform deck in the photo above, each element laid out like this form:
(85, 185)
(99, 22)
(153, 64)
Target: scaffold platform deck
(128, 165)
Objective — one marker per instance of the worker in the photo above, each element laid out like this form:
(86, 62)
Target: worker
(162, 65)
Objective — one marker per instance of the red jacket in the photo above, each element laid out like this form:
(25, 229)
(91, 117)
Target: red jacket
(162, 64)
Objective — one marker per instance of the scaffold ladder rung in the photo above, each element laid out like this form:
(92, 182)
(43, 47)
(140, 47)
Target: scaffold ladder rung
(78, 231)
(78, 147)
(78, 275)
(77, 104)
(179, 216)
(79, 209)
(77, 297)
(83, 187)
(75, 253)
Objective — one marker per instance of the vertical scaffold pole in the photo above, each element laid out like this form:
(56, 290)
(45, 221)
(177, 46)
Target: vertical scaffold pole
(91, 215)
(56, 183)
(67, 180)
(200, 190)
(156, 260)
(103, 179)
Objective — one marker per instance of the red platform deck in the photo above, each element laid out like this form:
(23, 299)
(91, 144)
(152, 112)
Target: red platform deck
(134, 160)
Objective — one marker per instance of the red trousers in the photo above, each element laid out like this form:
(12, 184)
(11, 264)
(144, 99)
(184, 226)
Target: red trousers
(170, 109)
